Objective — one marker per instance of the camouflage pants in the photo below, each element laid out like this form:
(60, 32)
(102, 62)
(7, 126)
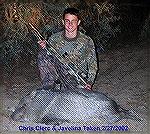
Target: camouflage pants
(54, 73)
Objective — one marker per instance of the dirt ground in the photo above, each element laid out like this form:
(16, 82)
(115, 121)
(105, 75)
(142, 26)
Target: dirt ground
(123, 76)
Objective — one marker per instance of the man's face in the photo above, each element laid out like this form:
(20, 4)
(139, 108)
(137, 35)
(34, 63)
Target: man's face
(71, 23)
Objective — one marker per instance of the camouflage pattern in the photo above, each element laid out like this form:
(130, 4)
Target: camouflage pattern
(54, 74)
(78, 53)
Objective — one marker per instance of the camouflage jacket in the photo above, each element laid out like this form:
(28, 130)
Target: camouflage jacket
(78, 53)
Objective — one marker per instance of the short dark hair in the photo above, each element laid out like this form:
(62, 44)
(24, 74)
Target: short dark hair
(72, 11)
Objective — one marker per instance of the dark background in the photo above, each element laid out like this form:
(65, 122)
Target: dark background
(112, 24)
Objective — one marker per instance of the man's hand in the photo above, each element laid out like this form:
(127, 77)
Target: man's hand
(88, 87)
(42, 44)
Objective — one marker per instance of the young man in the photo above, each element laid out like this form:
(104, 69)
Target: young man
(76, 49)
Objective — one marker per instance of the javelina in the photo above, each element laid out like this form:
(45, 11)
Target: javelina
(56, 107)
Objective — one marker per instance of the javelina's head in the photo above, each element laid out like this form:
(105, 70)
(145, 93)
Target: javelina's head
(19, 114)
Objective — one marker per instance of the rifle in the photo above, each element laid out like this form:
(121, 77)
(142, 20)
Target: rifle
(40, 37)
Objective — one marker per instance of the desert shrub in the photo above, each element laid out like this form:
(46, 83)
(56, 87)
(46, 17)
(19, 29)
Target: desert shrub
(19, 44)
(101, 24)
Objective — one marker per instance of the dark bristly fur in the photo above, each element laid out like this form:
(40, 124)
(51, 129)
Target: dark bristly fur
(55, 107)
